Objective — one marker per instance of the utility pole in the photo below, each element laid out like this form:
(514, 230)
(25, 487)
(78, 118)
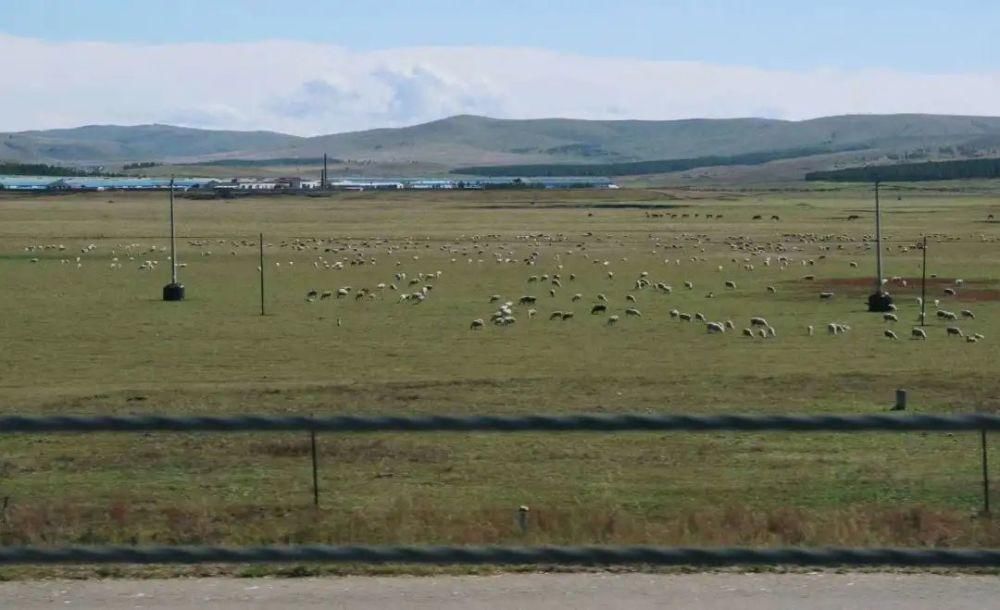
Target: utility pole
(323, 179)
(173, 291)
(879, 301)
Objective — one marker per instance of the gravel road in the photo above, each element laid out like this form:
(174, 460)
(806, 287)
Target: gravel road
(820, 591)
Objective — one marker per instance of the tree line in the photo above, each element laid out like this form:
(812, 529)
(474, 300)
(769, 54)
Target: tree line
(638, 168)
(914, 172)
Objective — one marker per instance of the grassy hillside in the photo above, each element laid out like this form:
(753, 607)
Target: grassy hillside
(95, 144)
(471, 140)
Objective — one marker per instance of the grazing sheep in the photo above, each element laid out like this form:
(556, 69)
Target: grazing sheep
(576, 297)
(826, 295)
(602, 297)
(890, 317)
(771, 289)
(762, 333)
(632, 311)
(918, 333)
(527, 300)
(757, 321)
(598, 308)
(612, 320)
(531, 313)
(748, 332)
(949, 291)
(311, 295)
(630, 298)
(771, 332)
(888, 333)
(555, 315)
(689, 285)
(494, 298)
(477, 324)
(833, 328)
(684, 316)
(567, 315)
(853, 264)
(700, 317)
(979, 336)
(730, 325)
(959, 281)
(971, 339)
(715, 327)
(947, 315)
(968, 314)
(809, 277)
(730, 284)
(810, 330)
(954, 331)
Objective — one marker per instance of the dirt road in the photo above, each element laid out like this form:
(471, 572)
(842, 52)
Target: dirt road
(515, 591)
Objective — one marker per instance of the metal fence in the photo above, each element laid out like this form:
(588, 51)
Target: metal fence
(505, 555)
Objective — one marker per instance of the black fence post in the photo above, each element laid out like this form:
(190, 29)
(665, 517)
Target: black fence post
(312, 439)
(986, 475)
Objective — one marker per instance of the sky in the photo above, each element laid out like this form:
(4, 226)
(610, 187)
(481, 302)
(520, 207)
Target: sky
(312, 66)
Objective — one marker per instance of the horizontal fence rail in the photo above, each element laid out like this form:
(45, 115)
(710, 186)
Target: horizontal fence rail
(526, 423)
(502, 555)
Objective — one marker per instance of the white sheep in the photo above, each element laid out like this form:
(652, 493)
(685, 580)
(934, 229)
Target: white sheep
(826, 295)
(612, 320)
(888, 333)
(968, 314)
(632, 311)
(730, 284)
(477, 324)
(918, 333)
(748, 332)
(810, 330)
(715, 327)
(890, 317)
(758, 321)
(954, 331)
(674, 313)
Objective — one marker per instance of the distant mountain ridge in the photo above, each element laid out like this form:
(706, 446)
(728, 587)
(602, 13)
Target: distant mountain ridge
(476, 141)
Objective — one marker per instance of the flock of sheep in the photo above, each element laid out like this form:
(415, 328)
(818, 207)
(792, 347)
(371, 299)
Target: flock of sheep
(782, 254)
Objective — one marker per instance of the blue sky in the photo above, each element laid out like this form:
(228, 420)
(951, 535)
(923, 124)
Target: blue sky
(311, 66)
(921, 35)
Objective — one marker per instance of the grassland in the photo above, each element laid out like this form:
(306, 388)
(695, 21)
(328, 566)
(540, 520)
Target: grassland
(88, 338)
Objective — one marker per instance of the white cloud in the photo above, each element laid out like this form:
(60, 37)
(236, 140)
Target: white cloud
(310, 89)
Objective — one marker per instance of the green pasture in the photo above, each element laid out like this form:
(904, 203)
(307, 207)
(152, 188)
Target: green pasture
(91, 337)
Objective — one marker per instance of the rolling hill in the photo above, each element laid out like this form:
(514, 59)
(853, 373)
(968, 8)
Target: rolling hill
(479, 141)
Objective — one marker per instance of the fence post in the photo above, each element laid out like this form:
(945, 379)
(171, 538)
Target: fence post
(986, 475)
(900, 401)
(312, 439)
(261, 274)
